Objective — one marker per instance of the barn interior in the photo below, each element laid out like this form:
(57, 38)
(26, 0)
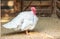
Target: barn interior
(48, 12)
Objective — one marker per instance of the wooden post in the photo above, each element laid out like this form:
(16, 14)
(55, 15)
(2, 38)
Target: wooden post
(54, 5)
(21, 5)
(14, 5)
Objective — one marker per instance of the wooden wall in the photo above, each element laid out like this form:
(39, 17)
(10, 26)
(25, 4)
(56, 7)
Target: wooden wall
(44, 7)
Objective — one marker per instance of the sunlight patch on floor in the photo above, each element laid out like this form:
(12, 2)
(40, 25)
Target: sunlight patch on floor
(4, 20)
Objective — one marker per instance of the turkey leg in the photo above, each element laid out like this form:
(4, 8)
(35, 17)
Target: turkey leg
(27, 32)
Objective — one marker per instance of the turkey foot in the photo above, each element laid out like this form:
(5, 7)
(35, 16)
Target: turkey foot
(27, 33)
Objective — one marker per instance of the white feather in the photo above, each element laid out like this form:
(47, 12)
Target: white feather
(24, 20)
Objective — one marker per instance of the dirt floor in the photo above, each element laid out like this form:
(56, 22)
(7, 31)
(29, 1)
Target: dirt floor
(46, 28)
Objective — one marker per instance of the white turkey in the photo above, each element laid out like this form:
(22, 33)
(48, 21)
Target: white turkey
(24, 21)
